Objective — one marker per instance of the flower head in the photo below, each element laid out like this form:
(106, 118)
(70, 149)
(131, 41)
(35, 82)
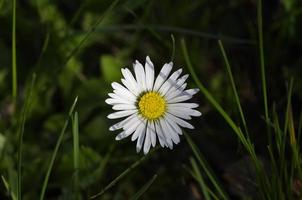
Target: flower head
(153, 108)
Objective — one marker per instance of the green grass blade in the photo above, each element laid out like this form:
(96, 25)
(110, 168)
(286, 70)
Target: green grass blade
(288, 105)
(24, 113)
(90, 31)
(122, 175)
(55, 152)
(144, 188)
(8, 188)
(14, 55)
(299, 127)
(209, 96)
(230, 74)
(200, 180)
(176, 30)
(76, 152)
(206, 168)
(173, 47)
(261, 54)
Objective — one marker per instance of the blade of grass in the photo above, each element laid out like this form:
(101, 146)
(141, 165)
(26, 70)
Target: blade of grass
(299, 127)
(173, 47)
(144, 188)
(261, 54)
(25, 110)
(209, 96)
(76, 152)
(230, 74)
(7, 187)
(89, 32)
(200, 180)
(55, 152)
(288, 105)
(14, 55)
(176, 30)
(263, 179)
(122, 175)
(206, 168)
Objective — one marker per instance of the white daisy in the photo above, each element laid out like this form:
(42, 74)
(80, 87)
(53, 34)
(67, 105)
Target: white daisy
(153, 108)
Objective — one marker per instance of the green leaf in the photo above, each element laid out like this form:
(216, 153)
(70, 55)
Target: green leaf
(111, 67)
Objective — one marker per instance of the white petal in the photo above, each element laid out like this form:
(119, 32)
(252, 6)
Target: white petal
(180, 98)
(140, 76)
(171, 82)
(167, 131)
(121, 114)
(136, 120)
(149, 68)
(120, 124)
(162, 76)
(172, 132)
(140, 140)
(174, 125)
(183, 105)
(176, 92)
(130, 79)
(129, 130)
(111, 101)
(129, 87)
(179, 114)
(187, 111)
(179, 121)
(160, 135)
(124, 107)
(122, 91)
(163, 132)
(139, 130)
(147, 143)
(191, 91)
(177, 87)
(152, 133)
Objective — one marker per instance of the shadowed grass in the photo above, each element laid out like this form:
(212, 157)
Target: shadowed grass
(8, 188)
(230, 74)
(24, 113)
(139, 193)
(55, 152)
(76, 152)
(122, 175)
(206, 169)
(14, 55)
(200, 180)
(261, 54)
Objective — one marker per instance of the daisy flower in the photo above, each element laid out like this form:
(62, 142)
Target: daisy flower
(153, 108)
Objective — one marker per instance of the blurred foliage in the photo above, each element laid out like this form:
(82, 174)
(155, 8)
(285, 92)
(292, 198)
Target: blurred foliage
(49, 31)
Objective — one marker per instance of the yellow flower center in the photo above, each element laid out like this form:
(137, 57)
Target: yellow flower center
(152, 105)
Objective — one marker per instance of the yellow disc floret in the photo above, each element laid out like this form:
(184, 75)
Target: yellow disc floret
(152, 105)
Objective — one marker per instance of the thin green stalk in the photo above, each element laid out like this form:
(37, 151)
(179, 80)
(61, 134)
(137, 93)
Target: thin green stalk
(55, 152)
(289, 96)
(209, 96)
(144, 188)
(206, 169)
(90, 31)
(122, 175)
(261, 53)
(229, 70)
(14, 55)
(200, 180)
(76, 152)
(21, 133)
(8, 188)
(175, 30)
(173, 47)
